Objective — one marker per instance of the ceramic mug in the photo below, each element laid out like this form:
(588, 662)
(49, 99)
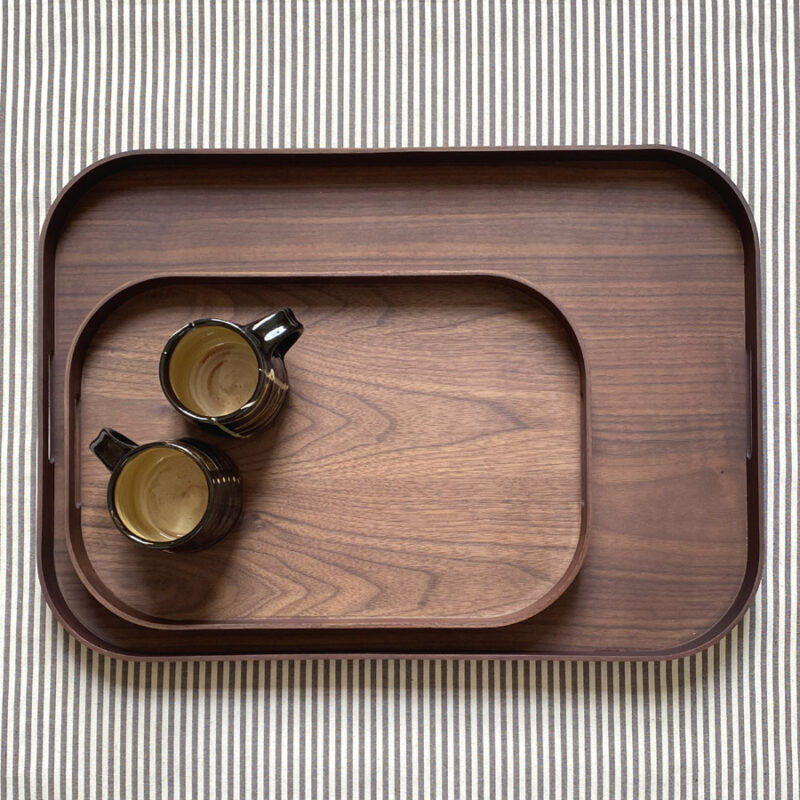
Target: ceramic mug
(179, 494)
(228, 377)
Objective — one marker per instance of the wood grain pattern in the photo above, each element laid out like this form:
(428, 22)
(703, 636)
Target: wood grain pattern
(651, 254)
(425, 470)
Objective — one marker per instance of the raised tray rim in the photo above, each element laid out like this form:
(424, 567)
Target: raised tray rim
(712, 175)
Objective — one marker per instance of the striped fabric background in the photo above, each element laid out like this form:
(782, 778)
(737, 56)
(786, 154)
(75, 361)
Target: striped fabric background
(81, 80)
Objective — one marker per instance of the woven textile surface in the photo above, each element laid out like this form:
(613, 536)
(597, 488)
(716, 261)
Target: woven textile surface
(82, 80)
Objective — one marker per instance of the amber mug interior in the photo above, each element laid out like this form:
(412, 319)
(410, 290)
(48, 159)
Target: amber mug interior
(172, 495)
(229, 377)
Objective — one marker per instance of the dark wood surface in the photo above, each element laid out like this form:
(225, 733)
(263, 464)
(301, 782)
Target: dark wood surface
(425, 469)
(652, 256)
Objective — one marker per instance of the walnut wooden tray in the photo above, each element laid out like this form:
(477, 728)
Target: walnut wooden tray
(581, 335)
(426, 469)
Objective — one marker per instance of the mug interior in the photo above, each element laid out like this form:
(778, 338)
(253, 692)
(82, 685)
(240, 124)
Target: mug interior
(161, 494)
(213, 370)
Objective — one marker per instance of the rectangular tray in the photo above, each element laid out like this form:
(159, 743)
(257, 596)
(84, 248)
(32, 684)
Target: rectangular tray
(426, 469)
(651, 254)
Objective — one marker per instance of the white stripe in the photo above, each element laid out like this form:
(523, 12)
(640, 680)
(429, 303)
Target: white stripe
(381, 56)
(462, 726)
(218, 104)
(711, 716)
(29, 619)
(438, 777)
(378, 700)
(473, 727)
(294, 753)
(448, 733)
(273, 698)
(307, 728)
(625, 48)
(794, 440)
(636, 35)
(416, 103)
(474, 58)
(619, 763)
(261, 699)
(403, 737)
(727, 733)
(189, 722)
(335, 136)
(557, 729)
(8, 511)
(627, 699)
(759, 764)
(522, 100)
(746, 675)
(438, 30)
(119, 781)
(464, 64)
(346, 76)
(778, 620)
(283, 727)
(602, 79)
(615, 69)
(323, 715)
(366, 95)
(497, 721)
(592, 34)
(592, 701)
(416, 770)
(356, 735)
(392, 723)
(652, 733)
(275, 22)
(494, 87)
(544, 67)
(672, 135)
(545, 699)
(689, 739)
(671, 767)
(567, 126)
(582, 734)
(698, 737)
(224, 727)
(485, 726)
(230, 104)
(139, 696)
(311, 94)
(190, 101)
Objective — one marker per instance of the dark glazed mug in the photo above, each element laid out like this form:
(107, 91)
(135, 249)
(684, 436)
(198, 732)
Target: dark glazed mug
(179, 494)
(228, 377)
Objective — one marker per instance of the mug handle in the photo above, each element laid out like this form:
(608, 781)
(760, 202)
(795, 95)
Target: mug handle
(111, 447)
(277, 332)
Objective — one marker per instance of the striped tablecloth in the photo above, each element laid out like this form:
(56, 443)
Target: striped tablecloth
(82, 79)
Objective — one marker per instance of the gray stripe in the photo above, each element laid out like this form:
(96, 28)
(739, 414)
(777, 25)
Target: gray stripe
(721, 724)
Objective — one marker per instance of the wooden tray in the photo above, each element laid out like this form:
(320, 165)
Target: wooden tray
(426, 469)
(650, 253)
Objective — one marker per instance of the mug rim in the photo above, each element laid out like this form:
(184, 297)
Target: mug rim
(112, 506)
(166, 358)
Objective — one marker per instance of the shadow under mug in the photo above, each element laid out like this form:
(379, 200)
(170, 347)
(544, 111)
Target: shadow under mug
(179, 494)
(226, 377)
